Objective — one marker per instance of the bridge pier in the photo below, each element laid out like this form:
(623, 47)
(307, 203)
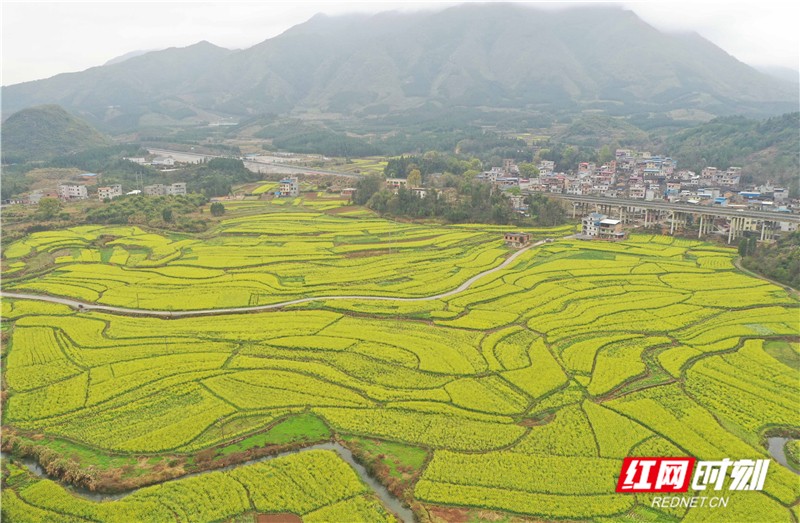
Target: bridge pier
(733, 222)
(767, 232)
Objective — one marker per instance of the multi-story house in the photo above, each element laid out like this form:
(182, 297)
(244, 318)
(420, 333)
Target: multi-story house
(110, 192)
(72, 192)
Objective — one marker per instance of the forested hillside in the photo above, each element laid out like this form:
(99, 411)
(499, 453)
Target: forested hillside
(47, 131)
(766, 150)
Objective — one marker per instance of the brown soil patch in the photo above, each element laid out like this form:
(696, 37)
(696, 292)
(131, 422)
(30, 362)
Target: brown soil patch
(366, 254)
(535, 422)
(285, 517)
(450, 515)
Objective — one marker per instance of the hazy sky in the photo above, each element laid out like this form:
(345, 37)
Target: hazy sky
(41, 39)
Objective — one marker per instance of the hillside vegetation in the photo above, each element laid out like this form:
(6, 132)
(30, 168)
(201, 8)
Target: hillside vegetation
(47, 131)
(779, 261)
(767, 150)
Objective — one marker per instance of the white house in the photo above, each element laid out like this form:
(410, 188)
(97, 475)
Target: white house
(110, 192)
(72, 192)
(596, 225)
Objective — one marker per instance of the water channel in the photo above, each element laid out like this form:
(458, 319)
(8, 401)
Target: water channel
(389, 500)
(775, 448)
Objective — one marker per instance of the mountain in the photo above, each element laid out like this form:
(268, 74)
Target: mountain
(47, 131)
(128, 56)
(160, 85)
(786, 74)
(473, 58)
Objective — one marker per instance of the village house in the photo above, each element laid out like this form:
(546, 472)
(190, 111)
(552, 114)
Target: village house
(175, 189)
(517, 239)
(289, 187)
(546, 166)
(419, 192)
(155, 190)
(509, 167)
(110, 192)
(166, 161)
(601, 227)
(396, 183)
(72, 192)
(636, 192)
(518, 202)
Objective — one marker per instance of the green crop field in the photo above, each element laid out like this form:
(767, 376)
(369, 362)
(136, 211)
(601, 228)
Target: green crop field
(517, 397)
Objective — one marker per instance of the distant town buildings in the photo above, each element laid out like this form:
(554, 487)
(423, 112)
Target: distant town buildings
(636, 175)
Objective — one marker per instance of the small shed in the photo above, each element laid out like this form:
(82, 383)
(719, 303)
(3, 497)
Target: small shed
(517, 239)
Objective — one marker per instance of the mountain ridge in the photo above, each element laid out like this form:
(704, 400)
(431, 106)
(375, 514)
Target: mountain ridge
(480, 56)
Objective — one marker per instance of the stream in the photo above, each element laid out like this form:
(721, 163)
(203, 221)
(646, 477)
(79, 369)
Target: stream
(389, 500)
(775, 447)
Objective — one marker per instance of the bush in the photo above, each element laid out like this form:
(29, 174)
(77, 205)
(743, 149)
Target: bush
(217, 209)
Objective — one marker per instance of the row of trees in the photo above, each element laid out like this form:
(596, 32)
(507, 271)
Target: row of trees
(461, 200)
(779, 261)
(170, 211)
(428, 163)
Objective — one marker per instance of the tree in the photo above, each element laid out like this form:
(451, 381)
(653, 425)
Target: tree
(414, 178)
(605, 155)
(166, 214)
(743, 247)
(217, 209)
(365, 188)
(528, 170)
(568, 158)
(48, 208)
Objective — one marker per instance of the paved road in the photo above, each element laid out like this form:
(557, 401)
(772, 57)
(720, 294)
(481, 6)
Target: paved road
(79, 305)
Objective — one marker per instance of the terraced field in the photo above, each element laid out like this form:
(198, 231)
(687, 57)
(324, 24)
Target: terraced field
(520, 395)
(251, 260)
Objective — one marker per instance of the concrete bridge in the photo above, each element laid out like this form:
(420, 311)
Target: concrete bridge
(707, 219)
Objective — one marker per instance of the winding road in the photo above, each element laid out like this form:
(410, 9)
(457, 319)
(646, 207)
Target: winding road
(84, 306)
